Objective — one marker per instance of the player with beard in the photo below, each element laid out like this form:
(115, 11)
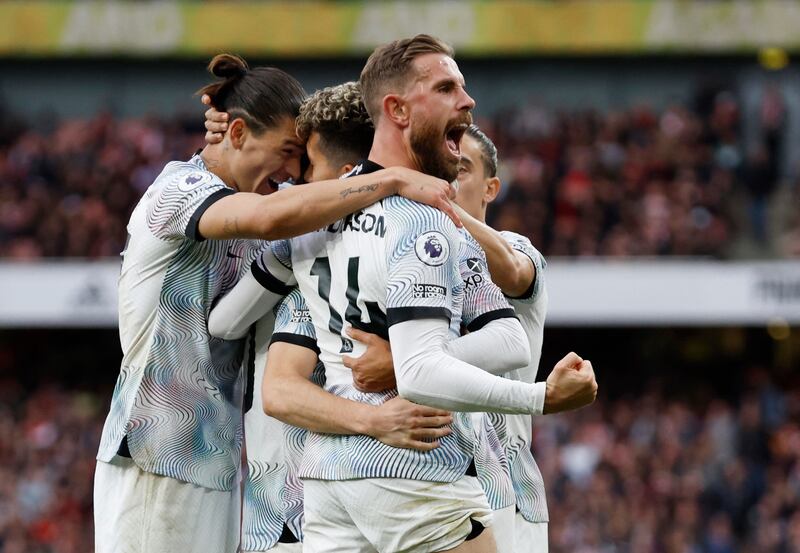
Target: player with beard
(518, 268)
(337, 129)
(169, 457)
(394, 264)
(272, 507)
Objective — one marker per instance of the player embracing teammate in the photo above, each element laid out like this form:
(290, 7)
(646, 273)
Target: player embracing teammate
(394, 268)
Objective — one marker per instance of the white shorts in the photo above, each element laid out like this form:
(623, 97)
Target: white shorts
(529, 537)
(391, 514)
(140, 512)
(503, 521)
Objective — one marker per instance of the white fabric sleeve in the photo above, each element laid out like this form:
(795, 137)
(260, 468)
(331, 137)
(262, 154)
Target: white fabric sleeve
(539, 392)
(498, 347)
(245, 304)
(426, 374)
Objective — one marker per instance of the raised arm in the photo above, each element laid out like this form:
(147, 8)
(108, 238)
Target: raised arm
(426, 374)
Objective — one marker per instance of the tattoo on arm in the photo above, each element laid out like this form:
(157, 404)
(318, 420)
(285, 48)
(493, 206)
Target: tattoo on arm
(231, 225)
(364, 188)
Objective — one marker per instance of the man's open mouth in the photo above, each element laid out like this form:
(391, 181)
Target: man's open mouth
(452, 138)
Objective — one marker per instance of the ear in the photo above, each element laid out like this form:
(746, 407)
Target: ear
(237, 132)
(492, 190)
(346, 168)
(396, 109)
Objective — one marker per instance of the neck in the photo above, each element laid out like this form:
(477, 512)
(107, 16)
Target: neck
(212, 156)
(479, 215)
(389, 148)
(482, 215)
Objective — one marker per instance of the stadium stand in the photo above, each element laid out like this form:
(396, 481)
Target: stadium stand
(629, 182)
(655, 473)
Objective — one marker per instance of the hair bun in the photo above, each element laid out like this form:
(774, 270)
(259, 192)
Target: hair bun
(227, 66)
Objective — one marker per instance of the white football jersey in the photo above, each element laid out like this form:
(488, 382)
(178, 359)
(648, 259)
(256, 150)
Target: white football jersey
(273, 492)
(178, 399)
(393, 261)
(515, 430)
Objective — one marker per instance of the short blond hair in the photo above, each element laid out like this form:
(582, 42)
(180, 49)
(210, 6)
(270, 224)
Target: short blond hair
(389, 67)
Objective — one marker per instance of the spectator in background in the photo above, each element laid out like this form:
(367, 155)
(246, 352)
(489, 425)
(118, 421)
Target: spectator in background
(627, 182)
(643, 475)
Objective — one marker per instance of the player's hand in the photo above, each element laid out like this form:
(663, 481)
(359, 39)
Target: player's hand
(428, 190)
(216, 122)
(400, 423)
(374, 370)
(571, 385)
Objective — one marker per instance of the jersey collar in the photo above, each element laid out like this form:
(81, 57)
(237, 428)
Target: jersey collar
(362, 168)
(197, 159)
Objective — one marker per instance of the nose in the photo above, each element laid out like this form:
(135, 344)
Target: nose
(466, 102)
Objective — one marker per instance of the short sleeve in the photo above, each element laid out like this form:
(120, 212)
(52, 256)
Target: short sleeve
(273, 268)
(175, 209)
(483, 300)
(293, 322)
(422, 247)
(523, 245)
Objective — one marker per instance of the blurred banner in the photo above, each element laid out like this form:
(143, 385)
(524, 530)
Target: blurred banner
(581, 293)
(325, 28)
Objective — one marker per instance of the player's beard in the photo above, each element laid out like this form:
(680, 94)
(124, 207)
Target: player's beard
(427, 146)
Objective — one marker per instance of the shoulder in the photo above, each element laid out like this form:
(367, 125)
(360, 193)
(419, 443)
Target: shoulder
(514, 238)
(469, 246)
(428, 231)
(409, 215)
(187, 177)
(523, 244)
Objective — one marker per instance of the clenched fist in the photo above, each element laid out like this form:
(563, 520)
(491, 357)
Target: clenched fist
(571, 385)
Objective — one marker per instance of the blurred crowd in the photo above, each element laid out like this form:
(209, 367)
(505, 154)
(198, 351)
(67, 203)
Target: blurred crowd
(656, 475)
(48, 442)
(631, 182)
(640, 182)
(69, 191)
(634, 475)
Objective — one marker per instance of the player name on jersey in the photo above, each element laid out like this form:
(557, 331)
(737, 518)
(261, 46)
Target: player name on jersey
(360, 221)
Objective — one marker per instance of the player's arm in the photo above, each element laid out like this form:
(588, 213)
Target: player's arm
(570, 385)
(512, 271)
(301, 209)
(428, 375)
(419, 297)
(496, 348)
(256, 293)
(496, 341)
(298, 210)
(291, 397)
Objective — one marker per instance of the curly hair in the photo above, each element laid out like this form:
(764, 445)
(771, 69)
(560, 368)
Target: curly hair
(338, 114)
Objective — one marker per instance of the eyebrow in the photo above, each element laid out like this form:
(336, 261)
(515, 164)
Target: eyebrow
(466, 160)
(290, 142)
(448, 81)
